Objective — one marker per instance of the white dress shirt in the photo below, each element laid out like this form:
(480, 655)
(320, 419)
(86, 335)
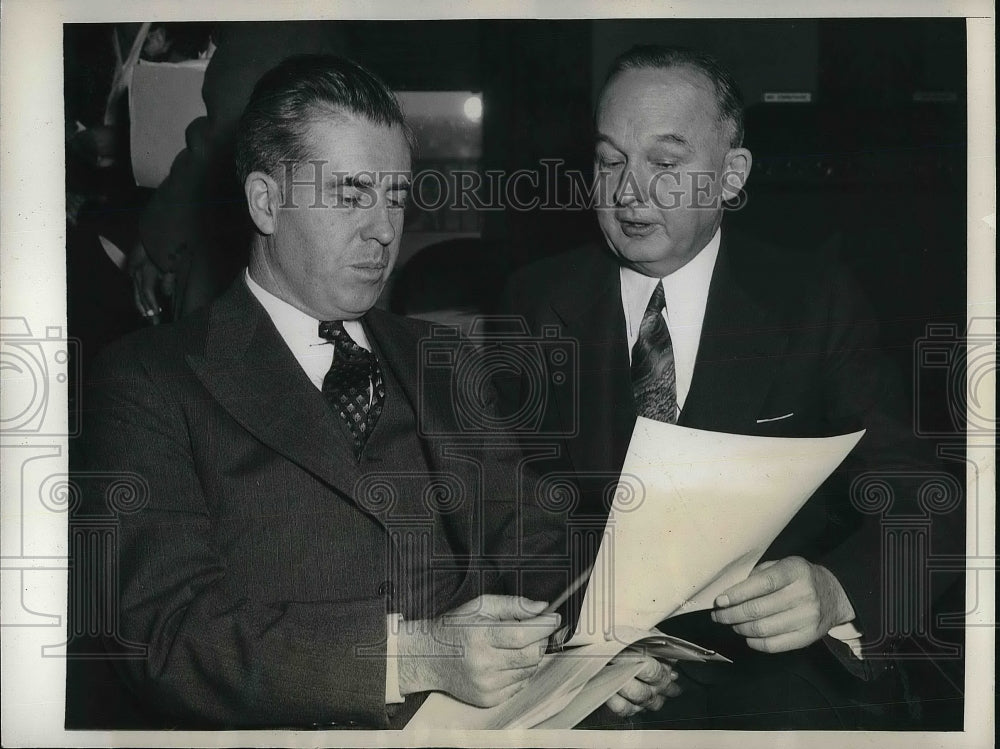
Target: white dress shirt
(300, 332)
(686, 294)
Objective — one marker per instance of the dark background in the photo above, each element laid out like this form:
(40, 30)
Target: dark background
(874, 168)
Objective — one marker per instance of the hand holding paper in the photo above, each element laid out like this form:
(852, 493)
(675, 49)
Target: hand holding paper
(784, 605)
(480, 652)
(694, 513)
(647, 690)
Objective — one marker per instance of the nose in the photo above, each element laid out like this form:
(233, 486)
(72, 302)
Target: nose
(378, 223)
(629, 189)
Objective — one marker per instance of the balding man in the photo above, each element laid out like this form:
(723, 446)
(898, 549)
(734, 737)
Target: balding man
(680, 320)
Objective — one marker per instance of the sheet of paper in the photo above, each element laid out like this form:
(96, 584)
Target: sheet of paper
(164, 97)
(694, 513)
(608, 681)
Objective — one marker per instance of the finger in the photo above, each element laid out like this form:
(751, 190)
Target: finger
(653, 671)
(149, 293)
(145, 282)
(781, 600)
(137, 297)
(620, 706)
(772, 626)
(141, 304)
(782, 643)
(656, 673)
(527, 657)
(637, 692)
(471, 606)
(761, 582)
(510, 607)
(673, 689)
(521, 634)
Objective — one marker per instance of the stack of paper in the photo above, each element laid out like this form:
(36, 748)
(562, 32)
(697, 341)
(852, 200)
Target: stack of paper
(701, 509)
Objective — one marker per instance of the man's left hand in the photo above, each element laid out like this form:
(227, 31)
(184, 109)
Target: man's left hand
(647, 690)
(784, 605)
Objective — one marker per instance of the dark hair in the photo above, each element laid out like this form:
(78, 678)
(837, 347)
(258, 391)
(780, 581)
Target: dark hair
(727, 93)
(297, 92)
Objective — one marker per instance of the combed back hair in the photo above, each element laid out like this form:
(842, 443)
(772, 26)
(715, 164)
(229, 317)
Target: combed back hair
(299, 91)
(727, 93)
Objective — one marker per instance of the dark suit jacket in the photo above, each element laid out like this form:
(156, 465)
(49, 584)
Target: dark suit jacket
(782, 334)
(258, 559)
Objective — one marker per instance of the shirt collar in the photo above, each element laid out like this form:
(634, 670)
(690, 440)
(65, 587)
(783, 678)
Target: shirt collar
(299, 330)
(685, 290)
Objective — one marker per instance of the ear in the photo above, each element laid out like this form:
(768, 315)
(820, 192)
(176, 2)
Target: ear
(736, 172)
(263, 199)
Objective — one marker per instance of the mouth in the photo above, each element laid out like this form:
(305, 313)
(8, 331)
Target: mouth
(633, 228)
(373, 270)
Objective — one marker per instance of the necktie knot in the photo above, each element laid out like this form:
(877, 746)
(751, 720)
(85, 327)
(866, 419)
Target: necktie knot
(331, 330)
(351, 356)
(657, 302)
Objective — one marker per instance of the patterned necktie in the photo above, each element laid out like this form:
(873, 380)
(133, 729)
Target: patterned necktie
(654, 381)
(346, 386)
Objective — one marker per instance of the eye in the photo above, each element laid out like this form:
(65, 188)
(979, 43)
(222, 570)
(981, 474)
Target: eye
(609, 162)
(665, 164)
(397, 199)
(346, 198)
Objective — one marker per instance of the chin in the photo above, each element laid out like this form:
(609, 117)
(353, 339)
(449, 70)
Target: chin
(362, 301)
(644, 250)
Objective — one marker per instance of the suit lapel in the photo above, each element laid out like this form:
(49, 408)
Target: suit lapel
(738, 356)
(249, 370)
(590, 308)
(397, 352)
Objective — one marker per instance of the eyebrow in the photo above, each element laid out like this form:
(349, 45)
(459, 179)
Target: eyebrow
(670, 138)
(399, 182)
(673, 138)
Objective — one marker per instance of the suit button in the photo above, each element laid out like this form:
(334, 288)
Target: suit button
(386, 589)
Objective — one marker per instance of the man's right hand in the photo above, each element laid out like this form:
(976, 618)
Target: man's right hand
(480, 652)
(149, 283)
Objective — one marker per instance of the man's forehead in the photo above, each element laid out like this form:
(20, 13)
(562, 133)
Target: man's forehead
(346, 142)
(676, 94)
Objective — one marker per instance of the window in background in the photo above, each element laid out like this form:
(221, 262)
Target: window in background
(448, 129)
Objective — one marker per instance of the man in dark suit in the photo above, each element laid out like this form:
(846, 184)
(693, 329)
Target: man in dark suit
(314, 537)
(679, 320)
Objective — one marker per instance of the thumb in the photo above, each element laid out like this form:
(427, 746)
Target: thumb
(511, 607)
